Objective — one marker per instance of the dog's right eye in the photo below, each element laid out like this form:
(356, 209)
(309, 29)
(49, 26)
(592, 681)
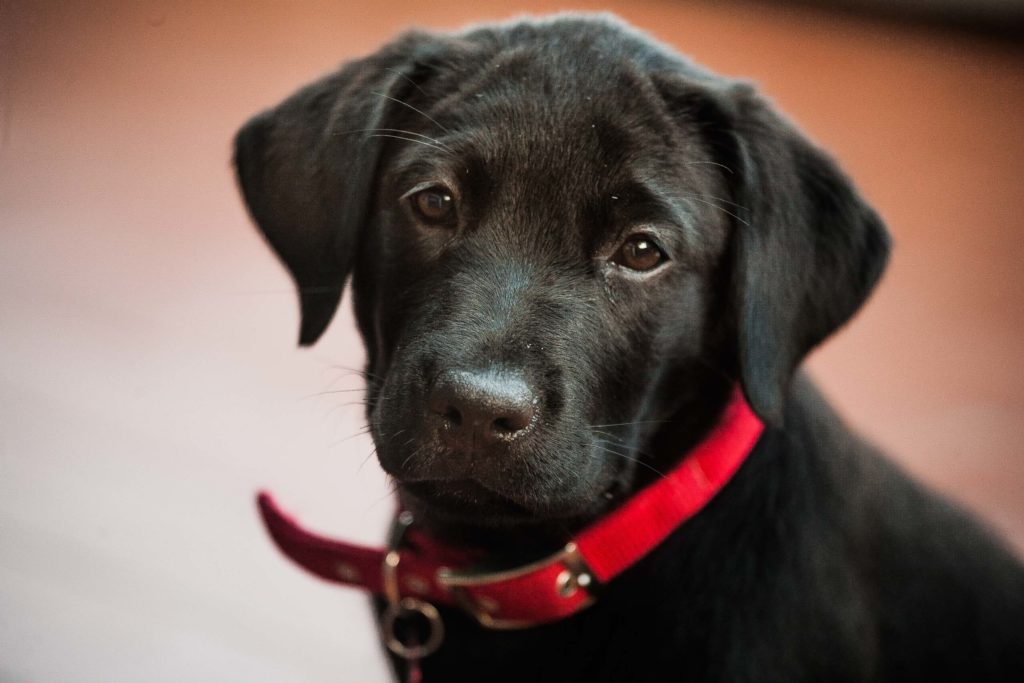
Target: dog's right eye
(434, 205)
(640, 253)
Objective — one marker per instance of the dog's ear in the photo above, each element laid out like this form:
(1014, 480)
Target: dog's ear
(807, 250)
(306, 170)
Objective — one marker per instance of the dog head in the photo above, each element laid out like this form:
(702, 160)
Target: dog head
(566, 242)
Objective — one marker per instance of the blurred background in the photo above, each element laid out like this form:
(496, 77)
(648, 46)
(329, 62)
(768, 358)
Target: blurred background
(149, 382)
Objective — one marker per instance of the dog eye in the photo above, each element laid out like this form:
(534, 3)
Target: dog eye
(639, 253)
(434, 205)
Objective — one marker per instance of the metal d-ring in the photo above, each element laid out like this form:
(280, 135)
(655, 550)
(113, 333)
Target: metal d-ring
(409, 607)
(399, 607)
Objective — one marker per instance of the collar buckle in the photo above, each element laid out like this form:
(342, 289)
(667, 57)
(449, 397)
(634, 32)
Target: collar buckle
(574, 576)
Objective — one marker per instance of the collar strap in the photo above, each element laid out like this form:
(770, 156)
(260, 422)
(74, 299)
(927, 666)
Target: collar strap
(547, 590)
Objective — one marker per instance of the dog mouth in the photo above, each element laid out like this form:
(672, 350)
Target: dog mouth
(462, 498)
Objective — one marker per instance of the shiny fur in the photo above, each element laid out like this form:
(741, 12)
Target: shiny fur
(559, 139)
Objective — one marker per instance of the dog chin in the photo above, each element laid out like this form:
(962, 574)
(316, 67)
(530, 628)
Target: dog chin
(466, 503)
(462, 501)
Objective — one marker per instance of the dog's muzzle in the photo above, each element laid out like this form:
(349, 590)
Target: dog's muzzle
(416, 573)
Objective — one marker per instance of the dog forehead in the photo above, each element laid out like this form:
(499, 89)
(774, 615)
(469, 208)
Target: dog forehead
(557, 96)
(561, 119)
(548, 127)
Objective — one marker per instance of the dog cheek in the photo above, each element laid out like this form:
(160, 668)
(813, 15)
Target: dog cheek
(394, 437)
(573, 477)
(681, 330)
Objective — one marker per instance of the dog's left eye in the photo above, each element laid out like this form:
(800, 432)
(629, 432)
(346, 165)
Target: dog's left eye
(434, 205)
(640, 253)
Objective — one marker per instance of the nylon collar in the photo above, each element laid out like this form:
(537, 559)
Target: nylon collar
(417, 572)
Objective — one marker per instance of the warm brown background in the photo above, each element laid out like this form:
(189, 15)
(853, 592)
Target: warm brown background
(148, 382)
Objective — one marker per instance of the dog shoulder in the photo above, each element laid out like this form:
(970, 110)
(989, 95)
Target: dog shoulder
(931, 573)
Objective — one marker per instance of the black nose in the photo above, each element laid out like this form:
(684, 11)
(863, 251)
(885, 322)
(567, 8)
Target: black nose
(482, 407)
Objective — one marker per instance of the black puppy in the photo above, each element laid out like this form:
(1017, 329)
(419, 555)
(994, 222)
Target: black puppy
(568, 246)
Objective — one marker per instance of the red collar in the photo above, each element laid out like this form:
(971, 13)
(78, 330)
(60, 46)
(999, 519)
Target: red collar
(547, 590)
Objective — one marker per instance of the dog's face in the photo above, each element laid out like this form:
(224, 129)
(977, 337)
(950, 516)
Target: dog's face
(563, 238)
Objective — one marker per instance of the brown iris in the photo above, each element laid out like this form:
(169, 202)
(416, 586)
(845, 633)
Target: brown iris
(434, 205)
(639, 253)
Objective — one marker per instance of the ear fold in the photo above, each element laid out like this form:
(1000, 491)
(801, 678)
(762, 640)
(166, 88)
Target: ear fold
(807, 252)
(306, 169)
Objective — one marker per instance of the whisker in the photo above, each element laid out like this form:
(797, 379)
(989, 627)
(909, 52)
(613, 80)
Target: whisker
(397, 130)
(365, 374)
(361, 432)
(711, 196)
(406, 104)
(349, 404)
(399, 137)
(406, 77)
(332, 385)
(388, 439)
(392, 487)
(338, 408)
(628, 424)
(624, 456)
(330, 391)
(711, 163)
(409, 457)
(609, 435)
(619, 443)
(720, 208)
(372, 453)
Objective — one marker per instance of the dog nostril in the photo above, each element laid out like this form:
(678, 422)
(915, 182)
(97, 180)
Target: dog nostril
(508, 425)
(441, 405)
(452, 416)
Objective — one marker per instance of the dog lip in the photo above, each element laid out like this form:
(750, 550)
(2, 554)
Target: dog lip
(462, 496)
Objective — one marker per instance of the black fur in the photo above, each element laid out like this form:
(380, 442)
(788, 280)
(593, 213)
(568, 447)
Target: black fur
(559, 140)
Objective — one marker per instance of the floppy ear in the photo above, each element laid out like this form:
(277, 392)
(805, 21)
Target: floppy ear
(808, 250)
(306, 170)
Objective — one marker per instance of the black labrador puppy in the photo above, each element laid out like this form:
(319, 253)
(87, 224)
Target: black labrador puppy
(569, 245)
